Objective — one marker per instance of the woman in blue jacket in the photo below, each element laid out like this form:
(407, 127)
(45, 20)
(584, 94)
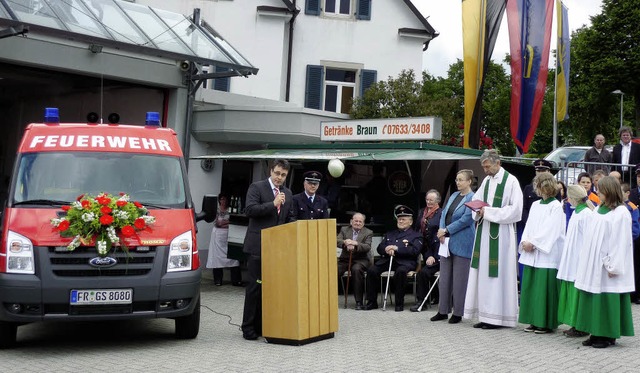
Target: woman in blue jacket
(456, 232)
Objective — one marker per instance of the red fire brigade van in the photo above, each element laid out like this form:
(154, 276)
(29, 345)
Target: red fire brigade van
(150, 273)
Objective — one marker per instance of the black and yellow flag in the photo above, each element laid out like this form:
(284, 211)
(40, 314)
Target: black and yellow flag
(480, 24)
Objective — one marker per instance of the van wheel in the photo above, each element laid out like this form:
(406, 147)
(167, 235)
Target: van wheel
(8, 332)
(187, 327)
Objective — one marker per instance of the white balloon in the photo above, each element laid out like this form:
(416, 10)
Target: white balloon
(335, 167)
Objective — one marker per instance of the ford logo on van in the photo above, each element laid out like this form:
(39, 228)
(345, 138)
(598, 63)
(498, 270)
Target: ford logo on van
(105, 262)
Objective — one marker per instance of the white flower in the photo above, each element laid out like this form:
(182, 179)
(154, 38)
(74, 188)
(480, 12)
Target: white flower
(102, 247)
(88, 217)
(122, 215)
(56, 221)
(76, 205)
(111, 233)
(74, 243)
(148, 219)
(124, 198)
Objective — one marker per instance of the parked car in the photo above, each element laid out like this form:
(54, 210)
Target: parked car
(567, 156)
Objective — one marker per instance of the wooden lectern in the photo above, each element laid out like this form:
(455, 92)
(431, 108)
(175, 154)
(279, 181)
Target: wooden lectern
(299, 282)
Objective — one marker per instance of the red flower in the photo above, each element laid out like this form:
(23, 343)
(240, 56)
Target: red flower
(138, 204)
(139, 223)
(121, 194)
(121, 203)
(106, 219)
(103, 200)
(105, 210)
(85, 204)
(127, 231)
(63, 226)
(78, 198)
(66, 208)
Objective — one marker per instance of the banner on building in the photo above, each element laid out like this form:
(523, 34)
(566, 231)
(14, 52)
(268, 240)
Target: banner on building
(480, 24)
(529, 38)
(562, 62)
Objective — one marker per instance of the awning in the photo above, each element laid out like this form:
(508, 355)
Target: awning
(354, 154)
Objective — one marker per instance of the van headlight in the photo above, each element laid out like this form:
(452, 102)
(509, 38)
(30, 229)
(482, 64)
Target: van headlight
(180, 253)
(19, 254)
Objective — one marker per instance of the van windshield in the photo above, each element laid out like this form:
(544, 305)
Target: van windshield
(61, 177)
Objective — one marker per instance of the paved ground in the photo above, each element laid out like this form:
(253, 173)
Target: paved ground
(373, 341)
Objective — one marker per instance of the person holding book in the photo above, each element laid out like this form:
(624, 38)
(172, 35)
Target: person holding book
(492, 292)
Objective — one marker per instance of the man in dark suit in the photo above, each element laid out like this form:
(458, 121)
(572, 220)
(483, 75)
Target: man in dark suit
(268, 204)
(404, 245)
(626, 152)
(634, 197)
(308, 205)
(355, 239)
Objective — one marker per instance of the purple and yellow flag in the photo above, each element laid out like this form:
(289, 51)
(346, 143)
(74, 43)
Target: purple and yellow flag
(562, 62)
(480, 24)
(529, 36)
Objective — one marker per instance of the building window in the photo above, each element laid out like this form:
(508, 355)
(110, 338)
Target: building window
(361, 8)
(339, 88)
(337, 7)
(333, 88)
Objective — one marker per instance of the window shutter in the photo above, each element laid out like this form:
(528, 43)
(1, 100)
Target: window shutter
(313, 91)
(367, 78)
(312, 7)
(364, 10)
(221, 84)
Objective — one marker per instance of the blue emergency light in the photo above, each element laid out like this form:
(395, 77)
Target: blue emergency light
(152, 119)
(51, 115)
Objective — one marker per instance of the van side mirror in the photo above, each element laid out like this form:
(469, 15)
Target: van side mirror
(209, 208)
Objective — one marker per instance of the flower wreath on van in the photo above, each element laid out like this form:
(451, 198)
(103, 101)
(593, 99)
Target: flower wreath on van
(104, 218)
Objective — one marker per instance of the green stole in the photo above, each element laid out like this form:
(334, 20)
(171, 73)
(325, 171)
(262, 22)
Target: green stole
(581, 207)
(494, 230)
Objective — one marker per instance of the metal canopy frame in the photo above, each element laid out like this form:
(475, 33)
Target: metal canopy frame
(146, 26)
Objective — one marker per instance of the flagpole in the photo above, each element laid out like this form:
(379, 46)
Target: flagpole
(555, 104)
(555, 86)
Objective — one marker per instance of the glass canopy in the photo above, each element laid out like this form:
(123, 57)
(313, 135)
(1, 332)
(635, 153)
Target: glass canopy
(126, 26)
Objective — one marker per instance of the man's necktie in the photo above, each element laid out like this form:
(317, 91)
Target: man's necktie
(311, 200)
(275, 194)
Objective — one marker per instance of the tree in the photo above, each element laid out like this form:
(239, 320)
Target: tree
(605, 57)
(442, 97)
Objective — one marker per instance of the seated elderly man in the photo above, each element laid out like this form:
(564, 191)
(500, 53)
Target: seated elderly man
(404, 245)
(355, 241)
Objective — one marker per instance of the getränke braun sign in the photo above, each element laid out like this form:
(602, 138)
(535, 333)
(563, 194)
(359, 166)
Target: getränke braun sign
(420, 128)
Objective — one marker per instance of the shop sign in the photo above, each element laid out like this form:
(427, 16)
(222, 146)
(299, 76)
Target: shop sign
(400, 183)
(420, 128)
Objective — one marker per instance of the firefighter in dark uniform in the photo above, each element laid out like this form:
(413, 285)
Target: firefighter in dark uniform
(308, 205)
(404, 244)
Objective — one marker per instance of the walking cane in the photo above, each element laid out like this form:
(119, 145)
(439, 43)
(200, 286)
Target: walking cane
(346, 289)
(386, 292)
(435, 282)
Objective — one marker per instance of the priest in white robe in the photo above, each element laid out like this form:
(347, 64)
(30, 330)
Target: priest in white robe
(492, 292)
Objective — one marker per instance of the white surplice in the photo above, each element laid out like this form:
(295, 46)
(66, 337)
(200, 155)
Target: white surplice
(574, 244)
(545, 230)
(494, 300)
(609, 250)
